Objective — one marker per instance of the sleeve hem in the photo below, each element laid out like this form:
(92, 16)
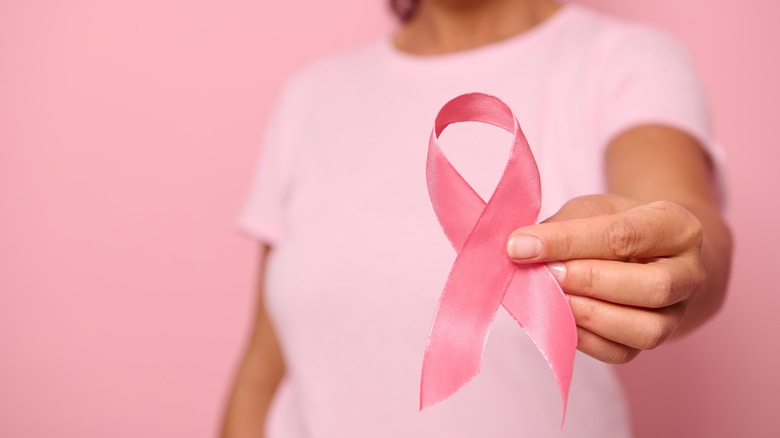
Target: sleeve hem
(262, 232)
(712, 149)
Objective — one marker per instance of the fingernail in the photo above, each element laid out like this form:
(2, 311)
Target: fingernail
(558, 271)
(524, 247)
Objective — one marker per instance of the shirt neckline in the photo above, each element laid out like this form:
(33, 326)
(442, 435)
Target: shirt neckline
(478, 58)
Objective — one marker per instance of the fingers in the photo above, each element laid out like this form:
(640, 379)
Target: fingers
(659, 283)
(632, 327)
(603, 349)
(620, 308)
(659, 229)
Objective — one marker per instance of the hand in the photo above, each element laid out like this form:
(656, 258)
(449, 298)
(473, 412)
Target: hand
(629, 270)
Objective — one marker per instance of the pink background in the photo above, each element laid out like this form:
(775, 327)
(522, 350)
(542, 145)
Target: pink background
(128, 133)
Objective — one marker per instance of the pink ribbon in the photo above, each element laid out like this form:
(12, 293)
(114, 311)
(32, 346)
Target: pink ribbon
(483, 277)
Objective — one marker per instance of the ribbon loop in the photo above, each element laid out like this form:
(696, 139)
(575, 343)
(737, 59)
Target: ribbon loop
(483, 278)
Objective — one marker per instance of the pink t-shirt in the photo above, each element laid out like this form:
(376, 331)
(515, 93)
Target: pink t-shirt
(359, 260)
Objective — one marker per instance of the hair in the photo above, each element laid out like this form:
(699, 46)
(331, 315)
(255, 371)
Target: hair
(404, 9)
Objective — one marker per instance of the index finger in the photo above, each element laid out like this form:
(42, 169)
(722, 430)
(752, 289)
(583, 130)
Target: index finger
(660, 229)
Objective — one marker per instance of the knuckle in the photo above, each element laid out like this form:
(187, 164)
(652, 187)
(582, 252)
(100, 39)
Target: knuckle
(620, 354)
(691, 231)
(696, 278)
(694, 231)
(663, 205)
(587, 312)
(698, 235)
(623, 239)
(663, 289)
(655, 334)
(585, 278)
(566, 241)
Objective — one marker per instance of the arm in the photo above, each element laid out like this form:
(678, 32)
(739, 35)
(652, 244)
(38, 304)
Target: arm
(258, 375)
(654, 163)
(648, 261)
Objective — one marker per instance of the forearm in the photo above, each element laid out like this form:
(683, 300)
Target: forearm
(258, 376)
(253, 389)
(658, 163)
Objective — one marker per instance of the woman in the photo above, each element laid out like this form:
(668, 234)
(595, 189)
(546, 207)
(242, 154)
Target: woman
(354, 260)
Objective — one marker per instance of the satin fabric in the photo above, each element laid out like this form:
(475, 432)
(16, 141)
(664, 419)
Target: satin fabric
(483, 278)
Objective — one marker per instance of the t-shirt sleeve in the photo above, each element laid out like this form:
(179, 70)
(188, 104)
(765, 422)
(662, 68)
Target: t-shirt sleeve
(263, 214)
(651, 79)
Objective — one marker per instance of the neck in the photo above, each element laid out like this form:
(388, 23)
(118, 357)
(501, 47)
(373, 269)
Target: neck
(446, 26)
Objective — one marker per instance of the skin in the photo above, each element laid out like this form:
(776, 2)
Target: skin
(444, 26)
(647, 262)
(258, 375)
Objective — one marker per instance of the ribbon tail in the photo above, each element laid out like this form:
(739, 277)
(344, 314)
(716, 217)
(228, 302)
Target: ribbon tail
(471, 297)
(537, 303)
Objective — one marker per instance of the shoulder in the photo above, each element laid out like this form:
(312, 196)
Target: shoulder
(619, 40)
(332, 70)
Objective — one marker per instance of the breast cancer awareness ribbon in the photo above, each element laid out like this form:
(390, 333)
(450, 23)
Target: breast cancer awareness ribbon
(483, 277)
